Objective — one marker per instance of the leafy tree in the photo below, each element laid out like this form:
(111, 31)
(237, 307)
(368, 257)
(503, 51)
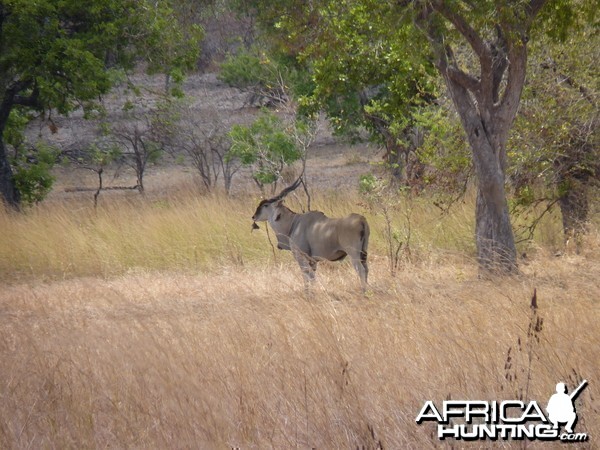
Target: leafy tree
(557, 128)
(33, 177)
(171, 43)
(32, 163)
(361, 76)
(266, 146)
(364, 79)
(270, 78)
(479, 49)
(58, 55)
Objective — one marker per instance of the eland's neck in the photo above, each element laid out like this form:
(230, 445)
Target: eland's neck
(282, 222)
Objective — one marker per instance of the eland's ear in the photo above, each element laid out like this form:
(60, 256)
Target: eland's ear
(279, 202)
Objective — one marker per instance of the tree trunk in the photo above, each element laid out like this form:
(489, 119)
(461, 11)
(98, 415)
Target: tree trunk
(8, 189)
(140, 175)
(496, 251)
(487, 103)
(493, 231)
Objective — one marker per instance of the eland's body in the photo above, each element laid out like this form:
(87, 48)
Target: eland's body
(314, 237)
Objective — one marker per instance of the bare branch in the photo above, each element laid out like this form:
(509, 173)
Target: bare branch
(517, 57)
(466, 80)
(464, 28)
(32, 100)
(499, 62)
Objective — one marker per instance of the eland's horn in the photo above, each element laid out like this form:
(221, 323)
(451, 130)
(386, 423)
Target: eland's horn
(289, 189)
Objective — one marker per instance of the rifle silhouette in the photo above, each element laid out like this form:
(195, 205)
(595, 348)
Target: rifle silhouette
(577, 391)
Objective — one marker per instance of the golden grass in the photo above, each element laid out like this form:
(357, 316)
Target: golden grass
(175, 328)
(61, 239)
(242, 359)
(189, 232)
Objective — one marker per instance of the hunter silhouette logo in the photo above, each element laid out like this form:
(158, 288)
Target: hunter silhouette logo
(561, 408)
(509, 419)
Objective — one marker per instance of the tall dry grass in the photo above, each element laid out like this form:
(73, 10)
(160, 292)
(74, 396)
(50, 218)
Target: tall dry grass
(148, 343)
(61, 239)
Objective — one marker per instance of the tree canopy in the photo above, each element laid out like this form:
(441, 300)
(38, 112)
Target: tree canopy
(59, 55)
(478, 49)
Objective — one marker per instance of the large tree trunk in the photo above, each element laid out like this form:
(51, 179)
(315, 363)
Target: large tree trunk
(493, 231)
(487, 104)
(8, 190)
(494, 236)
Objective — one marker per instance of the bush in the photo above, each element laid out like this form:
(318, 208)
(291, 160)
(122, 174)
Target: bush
(32, 174)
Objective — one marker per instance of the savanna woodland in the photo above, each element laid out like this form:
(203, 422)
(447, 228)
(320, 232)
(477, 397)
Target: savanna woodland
(140, 306)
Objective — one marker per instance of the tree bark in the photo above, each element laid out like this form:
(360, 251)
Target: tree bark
(8, 189)
(487, 108)
(496, 251)
(11, 97)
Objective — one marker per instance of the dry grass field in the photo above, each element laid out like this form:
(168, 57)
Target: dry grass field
(165, 323)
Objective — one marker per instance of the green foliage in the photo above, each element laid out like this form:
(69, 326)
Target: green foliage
(554, 150)
(64, 54)
(32, 165)
(57, 49)
(368, 64)
(171, 41)
(33, 175)
(444, 150)
(154, 151)
(369, 68)
(563, 18)
(555, 136)
(15, 127)
(265, 145)
(248, 68)
(100, 155)
(368, 184)
(268, 74)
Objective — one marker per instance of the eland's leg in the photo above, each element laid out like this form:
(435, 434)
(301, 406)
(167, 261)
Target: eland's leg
(363, 261)
(362, 269)
(308, 266)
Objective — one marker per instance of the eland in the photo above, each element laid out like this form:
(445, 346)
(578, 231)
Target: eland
(314, 237)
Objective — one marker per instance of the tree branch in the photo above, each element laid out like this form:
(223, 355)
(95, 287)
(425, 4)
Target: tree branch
(517, 57)
(32, 100)
(466, 80)
(446, 62)
(499, 62)
(464, 28)
(533, 8)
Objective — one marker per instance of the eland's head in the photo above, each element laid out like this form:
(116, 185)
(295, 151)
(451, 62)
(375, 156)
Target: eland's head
(266, 210)
(269, 209)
